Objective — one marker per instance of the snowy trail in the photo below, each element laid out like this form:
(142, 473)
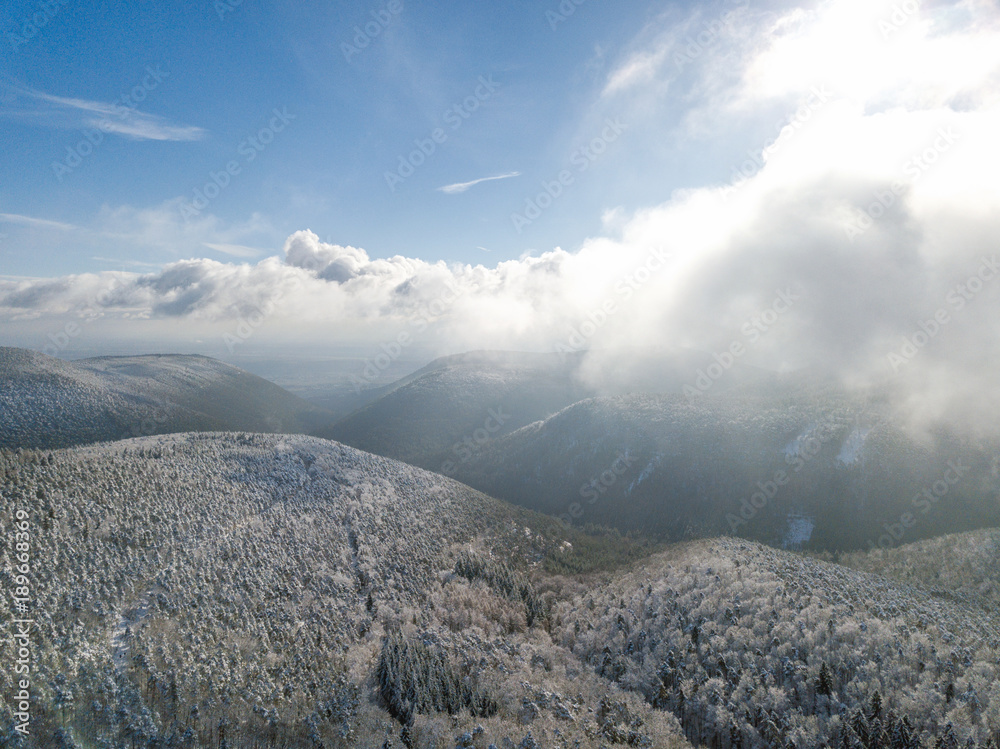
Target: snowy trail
(121, 634)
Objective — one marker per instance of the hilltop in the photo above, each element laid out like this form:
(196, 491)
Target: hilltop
(46, 402)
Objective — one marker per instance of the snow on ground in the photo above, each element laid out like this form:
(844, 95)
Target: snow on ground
(653, 464)
(794, 448)
(800, 530)
(850, 452)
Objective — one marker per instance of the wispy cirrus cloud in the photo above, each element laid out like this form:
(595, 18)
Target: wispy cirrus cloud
(140, 237)
(151, 127)
(637, 69)
(120, 117)
(463, 186)
(21, 220)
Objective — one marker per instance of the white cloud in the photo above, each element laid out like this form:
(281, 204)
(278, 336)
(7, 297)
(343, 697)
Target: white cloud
(463, 186)
(638, 69)
(148, 127)
(121, 117)
(673, 46)
(882, 54)
(16, 218)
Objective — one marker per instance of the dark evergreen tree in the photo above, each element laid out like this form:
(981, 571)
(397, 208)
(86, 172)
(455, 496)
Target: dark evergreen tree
(948, 739)
(875, 707)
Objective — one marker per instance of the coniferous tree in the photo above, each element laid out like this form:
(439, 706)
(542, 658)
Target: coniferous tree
(824, 684)
(948, 739)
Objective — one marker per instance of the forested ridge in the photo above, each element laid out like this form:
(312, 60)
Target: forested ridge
(242, 590)
(229, 590)
(46, 402)
(755, 647)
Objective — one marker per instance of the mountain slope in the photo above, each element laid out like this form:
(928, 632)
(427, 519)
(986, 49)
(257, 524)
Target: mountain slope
(286, 590)
(962, 566)
(784, 469)
(428, 418)
(46, 402)
(754, 647)
(247, 589)
(777, 458)
(437, 415)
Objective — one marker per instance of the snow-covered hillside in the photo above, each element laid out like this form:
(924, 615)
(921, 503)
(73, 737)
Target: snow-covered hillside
(47, 402)
(186, 587)
(739, 463)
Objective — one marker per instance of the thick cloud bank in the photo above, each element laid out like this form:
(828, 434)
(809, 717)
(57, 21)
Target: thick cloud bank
(864, 239)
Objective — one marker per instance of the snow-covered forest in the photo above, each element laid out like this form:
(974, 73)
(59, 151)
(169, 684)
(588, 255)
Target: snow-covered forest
(754, 647)
(257, 590)
(46, 402)
(243, 590)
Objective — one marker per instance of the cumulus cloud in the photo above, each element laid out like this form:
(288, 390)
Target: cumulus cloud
(862, 241)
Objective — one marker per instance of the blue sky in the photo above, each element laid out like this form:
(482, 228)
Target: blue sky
(224, 68)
